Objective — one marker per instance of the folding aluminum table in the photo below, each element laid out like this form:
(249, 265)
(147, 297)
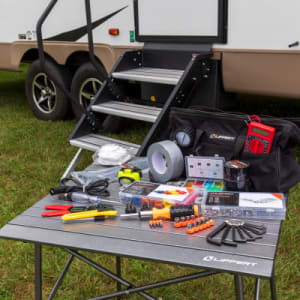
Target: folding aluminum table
(134, 238)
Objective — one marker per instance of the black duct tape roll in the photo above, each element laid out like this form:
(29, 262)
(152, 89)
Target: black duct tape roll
(165, 161)
(236, 175)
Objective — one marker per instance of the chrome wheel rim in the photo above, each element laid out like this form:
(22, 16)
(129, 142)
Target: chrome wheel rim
(44, 93)
(88, 91)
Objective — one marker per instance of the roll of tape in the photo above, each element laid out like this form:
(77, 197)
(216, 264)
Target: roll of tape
(165, 161)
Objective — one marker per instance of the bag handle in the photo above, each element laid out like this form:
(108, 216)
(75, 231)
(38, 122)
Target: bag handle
(199, 134)
(238, 146)
(205, 108)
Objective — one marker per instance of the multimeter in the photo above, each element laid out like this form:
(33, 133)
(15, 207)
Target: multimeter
(259, 138)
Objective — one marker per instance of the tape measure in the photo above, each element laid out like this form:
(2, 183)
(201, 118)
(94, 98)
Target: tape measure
(128, 174)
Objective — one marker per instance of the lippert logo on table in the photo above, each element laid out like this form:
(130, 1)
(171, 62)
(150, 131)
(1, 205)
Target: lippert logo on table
(229, 261)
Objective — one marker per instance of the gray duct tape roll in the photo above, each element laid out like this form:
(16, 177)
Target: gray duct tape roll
(165, 161)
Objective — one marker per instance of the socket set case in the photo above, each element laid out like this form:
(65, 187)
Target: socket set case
(244, 205)
(156, 195)
(204, 174)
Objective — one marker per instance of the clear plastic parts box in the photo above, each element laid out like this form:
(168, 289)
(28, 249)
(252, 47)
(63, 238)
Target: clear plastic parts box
(157, 195)
(244, 205)
(204, 174)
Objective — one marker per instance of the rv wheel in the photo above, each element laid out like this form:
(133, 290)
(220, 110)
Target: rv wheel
(46, 100)
(85, 84)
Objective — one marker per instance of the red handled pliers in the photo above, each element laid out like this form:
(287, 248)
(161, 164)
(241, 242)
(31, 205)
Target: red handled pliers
(57, 210)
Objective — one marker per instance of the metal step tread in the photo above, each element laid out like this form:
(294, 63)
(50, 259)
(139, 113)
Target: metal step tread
(155, 75)
(128, 110)
(93, 142)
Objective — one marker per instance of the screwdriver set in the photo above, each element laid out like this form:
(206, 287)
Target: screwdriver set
(199, 226)
(184, 221)
(193, 223)
(232, 232)
(155, 224)
(167, 213)
(141, 192)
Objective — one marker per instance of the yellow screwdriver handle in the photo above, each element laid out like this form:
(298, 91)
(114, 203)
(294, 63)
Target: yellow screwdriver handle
(88, 214)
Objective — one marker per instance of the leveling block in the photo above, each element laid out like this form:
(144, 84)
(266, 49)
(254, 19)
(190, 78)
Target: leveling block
(157, 195)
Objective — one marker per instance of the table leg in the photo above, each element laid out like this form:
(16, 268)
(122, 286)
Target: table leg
(273, 288)
(73, 163)
(60, 278)
(119, 273)
(38, 271)
(257, 289)
(239, 289)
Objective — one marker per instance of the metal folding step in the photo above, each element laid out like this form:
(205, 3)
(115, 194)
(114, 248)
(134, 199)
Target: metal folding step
(154, 75)
(128, 110)
(93, 142)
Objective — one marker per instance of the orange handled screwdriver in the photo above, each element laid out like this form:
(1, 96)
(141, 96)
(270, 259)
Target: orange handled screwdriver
(167, 213)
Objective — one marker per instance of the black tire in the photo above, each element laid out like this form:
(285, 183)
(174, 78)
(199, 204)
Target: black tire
(87, 80)
(85, 84)
(39, 86)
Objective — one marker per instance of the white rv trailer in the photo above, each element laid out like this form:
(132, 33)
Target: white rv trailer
(65, 45)
(261, 54)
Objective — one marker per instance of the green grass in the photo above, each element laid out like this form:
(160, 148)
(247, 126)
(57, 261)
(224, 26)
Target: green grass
(34, 154)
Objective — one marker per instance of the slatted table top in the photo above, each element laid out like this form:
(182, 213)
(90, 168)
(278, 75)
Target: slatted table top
(134, 238)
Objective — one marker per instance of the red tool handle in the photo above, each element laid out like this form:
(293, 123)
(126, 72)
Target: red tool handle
(55, 213)
(58, 207)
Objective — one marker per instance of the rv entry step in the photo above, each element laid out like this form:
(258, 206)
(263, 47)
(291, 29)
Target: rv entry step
(153, 75)
(128, 110)
(93, 142)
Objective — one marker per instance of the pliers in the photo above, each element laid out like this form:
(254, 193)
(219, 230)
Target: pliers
(60, 210)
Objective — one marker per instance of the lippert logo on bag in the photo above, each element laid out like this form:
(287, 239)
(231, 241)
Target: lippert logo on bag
(215, 136)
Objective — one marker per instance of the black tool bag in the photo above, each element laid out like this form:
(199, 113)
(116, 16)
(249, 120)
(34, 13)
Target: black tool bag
(224, 134)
